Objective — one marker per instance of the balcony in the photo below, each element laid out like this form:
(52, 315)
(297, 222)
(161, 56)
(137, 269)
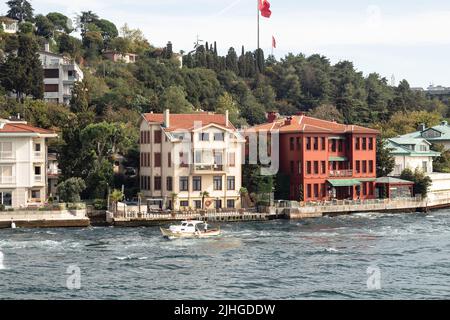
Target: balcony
(208, 168)
(7, 180)
(6, 155)
(341, 173)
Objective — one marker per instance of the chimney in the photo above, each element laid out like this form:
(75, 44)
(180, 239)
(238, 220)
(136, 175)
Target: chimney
(422, 127)
(288, 121)
(167, 118)
(271, 116)
(226, 118)
(47, 47)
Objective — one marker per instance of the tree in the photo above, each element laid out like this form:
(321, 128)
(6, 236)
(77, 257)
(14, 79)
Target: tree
(22, 74)
(20, 10)
(327, 112)
(422, 182)
(174, 99)
(60, 22)
(385, 161)
(69, 45)
(226, 102)
(79, 101)
(44, 27)
(231, 61)
(116, 196)
(70, 189)
(441, 163)
(204, 194)
(84, 19)
(107, 29)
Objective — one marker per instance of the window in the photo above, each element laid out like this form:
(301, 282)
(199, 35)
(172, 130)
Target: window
(35, 194)
(308, 167)
(324, 143)
(358, 166)
(217, 183)
(184, 183)
(6, 150)
(6, 174)
(218, 204)
(292, 166)
(364, 166)
(157, 136)
(231, 204)
(51, 88)
(299, 144)
(333, 145)
(184, 203)
(308, 190)
(316, 143)
(232, 159)
(37, 170)
(316, 190)
(299, 167)
(6, 198)
(169, 185)
(316, 167)
(324, 190)
(370, 143)
(357, 144)
(198, 156)
(308, 143)
(291, 143)
(37, 147)
(364, 191)
(324, 167)
(423, 147)
(157, 184)
(203, 136)
(184, 160)
(51, 73)
(425, 166)
(371, 166)
(340, 145)
(218, 160)
(169, 159)
(219, 136)
(231, 183)
(197, 204)
(364, 143)
(197, 183)
(371, 189)
(157, 159)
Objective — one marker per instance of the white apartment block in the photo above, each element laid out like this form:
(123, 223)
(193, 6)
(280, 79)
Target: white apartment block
(60, 74)
(184, 155)
(23, 164)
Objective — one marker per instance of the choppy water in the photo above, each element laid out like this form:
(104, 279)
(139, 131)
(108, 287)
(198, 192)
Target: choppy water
(311, 259)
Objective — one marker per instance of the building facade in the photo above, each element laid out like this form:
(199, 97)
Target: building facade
(323, 160)
(190, 161)
(411, 153)
(23, 164)
(119, 57)
(439, 134)
(60, 75)
(9, 25)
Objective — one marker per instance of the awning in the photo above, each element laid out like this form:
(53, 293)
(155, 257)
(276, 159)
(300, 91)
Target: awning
(344, 182)
(337, 159)
(367, 179)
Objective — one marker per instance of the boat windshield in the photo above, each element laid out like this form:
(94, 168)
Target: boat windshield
(184, 224)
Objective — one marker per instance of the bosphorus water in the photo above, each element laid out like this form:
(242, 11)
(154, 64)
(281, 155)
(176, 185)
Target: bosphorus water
(323, 258)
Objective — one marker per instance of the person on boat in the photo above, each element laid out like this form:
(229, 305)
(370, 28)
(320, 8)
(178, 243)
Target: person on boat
(205, 228)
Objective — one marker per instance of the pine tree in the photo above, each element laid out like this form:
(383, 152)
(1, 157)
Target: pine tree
(20, 10)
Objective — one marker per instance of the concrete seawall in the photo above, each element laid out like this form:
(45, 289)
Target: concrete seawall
(44, 219)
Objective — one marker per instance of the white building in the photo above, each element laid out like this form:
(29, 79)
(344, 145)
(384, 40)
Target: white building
(60, 74)
(184, 155)
(439, 134)
(9, 25)
(23, 164)
(119, 57)
(411, 153)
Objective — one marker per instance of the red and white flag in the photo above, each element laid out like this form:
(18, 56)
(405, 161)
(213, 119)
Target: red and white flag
(264, 7)
(274, 42)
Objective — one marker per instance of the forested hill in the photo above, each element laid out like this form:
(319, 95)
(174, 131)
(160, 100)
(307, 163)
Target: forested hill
(247, 83)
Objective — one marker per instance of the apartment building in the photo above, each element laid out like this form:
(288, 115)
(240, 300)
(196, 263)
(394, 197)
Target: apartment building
(60, 75)
(324, 160)
(190, 160)
(23, 164)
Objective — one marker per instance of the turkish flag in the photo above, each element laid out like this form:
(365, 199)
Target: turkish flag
(264, 7)
(274, 42)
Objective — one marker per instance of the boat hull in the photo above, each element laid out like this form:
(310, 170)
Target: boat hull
(190, 235)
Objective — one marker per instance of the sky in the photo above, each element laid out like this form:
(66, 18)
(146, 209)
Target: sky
(405, 39)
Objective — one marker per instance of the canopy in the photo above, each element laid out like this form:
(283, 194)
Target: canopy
(337, 159)
(344, 182)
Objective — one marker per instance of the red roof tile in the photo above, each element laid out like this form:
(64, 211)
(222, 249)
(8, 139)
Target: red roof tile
(11, 127)
(186, 121)
(313, 125)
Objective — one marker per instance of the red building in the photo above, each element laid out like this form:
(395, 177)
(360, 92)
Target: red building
(325, 160)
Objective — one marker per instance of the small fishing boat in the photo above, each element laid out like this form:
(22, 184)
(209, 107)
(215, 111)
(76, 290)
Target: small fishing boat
(190, 229)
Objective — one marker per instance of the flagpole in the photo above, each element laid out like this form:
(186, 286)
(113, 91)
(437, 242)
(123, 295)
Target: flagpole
(257, 18)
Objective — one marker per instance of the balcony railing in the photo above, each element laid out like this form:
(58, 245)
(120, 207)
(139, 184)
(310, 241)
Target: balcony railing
(38, 178)
(7, 180)
(208, 167)
(341, 173)
(6, 155)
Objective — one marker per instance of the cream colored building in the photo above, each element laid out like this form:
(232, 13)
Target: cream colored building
(185, 155)
(23, 164)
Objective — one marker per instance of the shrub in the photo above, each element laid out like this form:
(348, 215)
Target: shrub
(69, 190)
